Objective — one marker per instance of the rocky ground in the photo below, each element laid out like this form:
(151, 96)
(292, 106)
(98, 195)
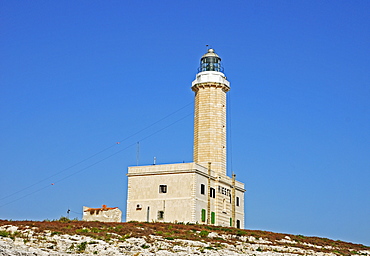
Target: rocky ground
(66, 237)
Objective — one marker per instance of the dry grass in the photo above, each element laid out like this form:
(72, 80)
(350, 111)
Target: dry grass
(171, 231)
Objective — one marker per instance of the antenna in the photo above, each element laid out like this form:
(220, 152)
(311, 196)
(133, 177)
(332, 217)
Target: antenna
(207, 46)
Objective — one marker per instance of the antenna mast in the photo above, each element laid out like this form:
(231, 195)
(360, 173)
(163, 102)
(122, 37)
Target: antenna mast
(137, 153)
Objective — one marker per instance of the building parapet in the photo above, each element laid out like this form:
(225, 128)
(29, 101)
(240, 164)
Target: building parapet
(178, 168)
(166, 168)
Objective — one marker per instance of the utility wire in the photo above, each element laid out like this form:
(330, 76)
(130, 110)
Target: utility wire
(97, 162)
(98, 153)
(76, 212)
(157, 121)
(66, 169)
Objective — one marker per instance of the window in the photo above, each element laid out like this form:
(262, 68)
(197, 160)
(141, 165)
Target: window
(162, 188)
(238, 223)
(212, 193)
(213, 218)
(203, 215)
(138, 207)
(202, 189)
(237, 201)
(160, 215)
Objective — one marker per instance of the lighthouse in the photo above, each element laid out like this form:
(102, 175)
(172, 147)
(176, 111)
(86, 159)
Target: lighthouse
(199, 191)
(210, 87)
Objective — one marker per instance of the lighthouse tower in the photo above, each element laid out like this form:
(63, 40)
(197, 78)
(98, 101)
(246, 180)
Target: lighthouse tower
(210, 87)
(199, 191)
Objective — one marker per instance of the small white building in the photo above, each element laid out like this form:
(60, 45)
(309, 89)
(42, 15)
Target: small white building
(201, 191)
(104, 214)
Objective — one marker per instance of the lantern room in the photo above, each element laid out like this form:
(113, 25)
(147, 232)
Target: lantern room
(210, 62)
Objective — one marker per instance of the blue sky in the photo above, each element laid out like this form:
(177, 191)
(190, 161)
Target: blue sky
(78, 77)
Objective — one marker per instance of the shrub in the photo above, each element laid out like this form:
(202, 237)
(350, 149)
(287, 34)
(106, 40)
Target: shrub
(95, 230)
(3, 233)
(81, 247)
(241, 232)
(124, 237)
(204, 233)
(119, 227)
(64, 220)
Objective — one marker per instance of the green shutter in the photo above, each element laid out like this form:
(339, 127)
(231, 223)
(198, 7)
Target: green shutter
(203, 215)
(231, 222)
(213, 218)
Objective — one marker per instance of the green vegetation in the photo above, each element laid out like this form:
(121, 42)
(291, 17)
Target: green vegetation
(119, 227)
(11, 235)
(124, 237)
(240, 232)
(83, 230)
(95, 230)
(203, 233)
(64, 220)
(81, 247)
(4, 233)
(218, 228)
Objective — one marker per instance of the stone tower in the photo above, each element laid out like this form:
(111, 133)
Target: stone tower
(210, 87)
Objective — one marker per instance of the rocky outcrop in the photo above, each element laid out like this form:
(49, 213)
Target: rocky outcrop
(28, 241)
